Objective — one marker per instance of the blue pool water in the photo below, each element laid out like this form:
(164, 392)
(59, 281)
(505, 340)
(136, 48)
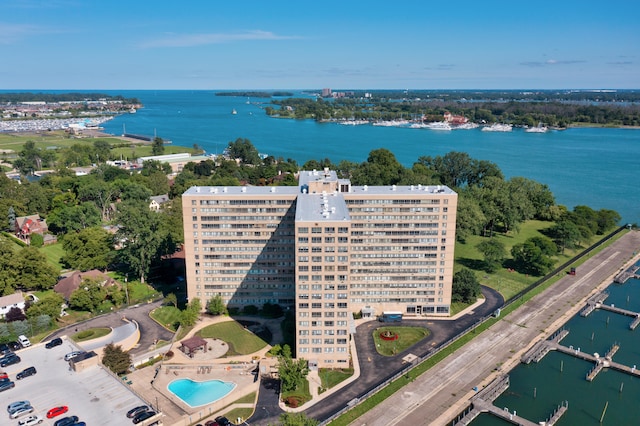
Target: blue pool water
(196, 394)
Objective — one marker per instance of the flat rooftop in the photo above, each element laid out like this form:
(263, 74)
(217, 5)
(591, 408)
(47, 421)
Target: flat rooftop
(321, 207)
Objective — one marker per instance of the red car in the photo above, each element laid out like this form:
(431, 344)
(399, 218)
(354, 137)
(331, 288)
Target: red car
(56, 411)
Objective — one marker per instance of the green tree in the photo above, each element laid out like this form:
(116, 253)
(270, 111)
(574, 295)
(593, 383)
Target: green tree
(91, 248)
(116, 359)
(470, 218)
(191, 313)
(50, 304)
(171, 299)
(381, 168)
(89, 294)
(139, 233)
(216, 306)
(32, 271)
(566, 234)
(36, 240)
(244, 150)
(466, 287)
(11, 219)
(531, 259)
(292, 372)
(493, 252)
(157, 146)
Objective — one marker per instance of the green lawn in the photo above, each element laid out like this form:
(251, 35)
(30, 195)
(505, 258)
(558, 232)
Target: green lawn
(508, 283)
(167, 316)
(408, 336)
(54, 253)
(333, 376)
(301, 394)
(92, 333)
(240, 340)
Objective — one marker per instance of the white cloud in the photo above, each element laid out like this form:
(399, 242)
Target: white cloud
(551, 62)
(189, 40)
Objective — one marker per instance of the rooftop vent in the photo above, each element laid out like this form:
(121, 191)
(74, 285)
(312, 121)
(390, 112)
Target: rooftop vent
(273, 189)
(365, 188)
(224, 189)
(244, 189)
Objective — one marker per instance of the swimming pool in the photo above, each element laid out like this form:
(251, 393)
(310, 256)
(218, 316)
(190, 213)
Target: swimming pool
(196, 394)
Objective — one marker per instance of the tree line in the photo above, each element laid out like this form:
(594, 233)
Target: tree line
(555, 113)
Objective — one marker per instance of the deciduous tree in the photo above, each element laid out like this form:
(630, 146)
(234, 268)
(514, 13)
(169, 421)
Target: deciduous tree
(116, 359)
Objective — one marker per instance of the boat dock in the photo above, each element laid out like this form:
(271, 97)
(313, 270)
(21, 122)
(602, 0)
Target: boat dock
(597, 302)
(593, 302)
(538, 352)
(631, 272)
(482, 402)
(542, 348)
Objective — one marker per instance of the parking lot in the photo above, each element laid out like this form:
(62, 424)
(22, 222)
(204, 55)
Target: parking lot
(93, 395)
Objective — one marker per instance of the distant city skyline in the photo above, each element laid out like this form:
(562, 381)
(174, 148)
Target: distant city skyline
(252, 45)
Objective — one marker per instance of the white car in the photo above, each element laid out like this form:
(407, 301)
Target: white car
(16, 405)
(72, 355)
(21, 411)
(24, 341)
(30, 421)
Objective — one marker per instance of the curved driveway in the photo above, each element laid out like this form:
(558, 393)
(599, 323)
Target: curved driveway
(150, 331)
(375, 368)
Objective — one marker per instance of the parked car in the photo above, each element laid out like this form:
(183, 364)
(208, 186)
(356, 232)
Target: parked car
(211, 423)
(4, 349)
(24, 341)
(143, 416)
(132, 413)
(27, 409)
(30, 421)
(9, 360)
(67, 421)
(56, 411)
(30, 371)
(53, 343)
(6, 385)
(3, 375)
(71, 355)
(15, 405)
(14, 346)
(223, 421)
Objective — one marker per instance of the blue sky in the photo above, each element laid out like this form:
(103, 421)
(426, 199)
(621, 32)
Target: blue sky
(227, 44)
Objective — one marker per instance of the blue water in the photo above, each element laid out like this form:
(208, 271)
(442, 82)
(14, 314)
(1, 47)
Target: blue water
(537, 389)
(594, 167)
(196, 394)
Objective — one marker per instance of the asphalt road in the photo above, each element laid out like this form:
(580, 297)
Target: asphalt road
(375, 368)
(150, 331)
(437, 396)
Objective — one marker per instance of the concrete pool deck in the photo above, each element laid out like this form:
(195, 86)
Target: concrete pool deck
(151, 382)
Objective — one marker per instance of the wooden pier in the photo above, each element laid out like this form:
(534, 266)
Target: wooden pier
(594, 302)
(631, 272)
(539, 351)
(482, 402)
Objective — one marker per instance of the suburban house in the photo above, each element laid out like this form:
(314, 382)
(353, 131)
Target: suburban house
(69, 284)
(15, 300)
(156, 202)
(28, 225)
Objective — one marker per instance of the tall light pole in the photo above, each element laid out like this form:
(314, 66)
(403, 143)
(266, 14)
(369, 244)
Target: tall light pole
(126, 287)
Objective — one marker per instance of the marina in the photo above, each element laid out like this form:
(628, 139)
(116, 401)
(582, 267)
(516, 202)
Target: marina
(554, 369)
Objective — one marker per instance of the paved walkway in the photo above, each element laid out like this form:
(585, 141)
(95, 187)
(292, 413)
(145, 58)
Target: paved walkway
(437, 396)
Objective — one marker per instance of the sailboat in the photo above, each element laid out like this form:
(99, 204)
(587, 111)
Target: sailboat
(234, 112)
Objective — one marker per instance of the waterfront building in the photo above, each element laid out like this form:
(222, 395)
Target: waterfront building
(326, 249)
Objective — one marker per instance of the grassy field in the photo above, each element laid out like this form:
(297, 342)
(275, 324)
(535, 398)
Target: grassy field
(13, 143)
(240, 340)
(167, 316)
(333, 376)
(54, 253)
(507, 282)
(407, 337)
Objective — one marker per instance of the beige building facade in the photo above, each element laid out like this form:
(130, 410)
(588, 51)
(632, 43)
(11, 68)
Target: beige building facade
(326, 249)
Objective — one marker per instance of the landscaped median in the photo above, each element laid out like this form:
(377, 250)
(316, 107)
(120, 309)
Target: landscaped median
(392, 340)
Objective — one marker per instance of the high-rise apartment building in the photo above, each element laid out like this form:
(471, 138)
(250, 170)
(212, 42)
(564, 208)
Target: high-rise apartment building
(326, 249)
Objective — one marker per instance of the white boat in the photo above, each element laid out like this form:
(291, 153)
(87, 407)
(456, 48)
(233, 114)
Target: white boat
(498, 127)
(234, 112)
(537, 129)
(354, 122)
(439, 125)
(466, 126)
(132, 111)
(418, 126)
